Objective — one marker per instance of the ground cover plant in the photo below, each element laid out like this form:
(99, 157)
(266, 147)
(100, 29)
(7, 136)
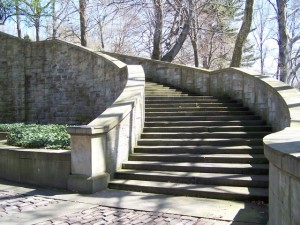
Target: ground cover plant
(51, 136)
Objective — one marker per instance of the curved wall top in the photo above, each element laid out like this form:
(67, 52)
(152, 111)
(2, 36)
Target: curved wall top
(56, 82)
(274, 101)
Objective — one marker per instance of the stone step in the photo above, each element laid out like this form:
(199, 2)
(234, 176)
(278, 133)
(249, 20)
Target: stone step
(192, 190)
(207, 158)
(209, 129)
(180, 135)
(188, 100)
(192, 109)
(192, 104)
(185, 98)
(237, 168)
(242, 149)
(240, 180)
(167, 94)
(200, 142)
(204, 123)
(198, 113)
(203, 118)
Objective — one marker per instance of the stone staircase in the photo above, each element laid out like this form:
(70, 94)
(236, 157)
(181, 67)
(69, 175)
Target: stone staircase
(198, 146)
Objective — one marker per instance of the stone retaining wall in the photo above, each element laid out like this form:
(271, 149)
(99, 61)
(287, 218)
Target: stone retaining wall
(47, 168)
(55, 82)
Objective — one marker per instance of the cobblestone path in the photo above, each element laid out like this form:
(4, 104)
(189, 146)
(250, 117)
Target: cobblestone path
(13, 203)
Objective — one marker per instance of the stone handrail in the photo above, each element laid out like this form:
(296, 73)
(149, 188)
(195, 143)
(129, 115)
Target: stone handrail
(99, 148)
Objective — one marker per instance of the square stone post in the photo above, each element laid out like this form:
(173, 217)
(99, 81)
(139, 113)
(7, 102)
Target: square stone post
(88, 161)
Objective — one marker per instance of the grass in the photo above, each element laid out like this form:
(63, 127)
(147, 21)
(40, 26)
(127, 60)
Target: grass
(51, 136)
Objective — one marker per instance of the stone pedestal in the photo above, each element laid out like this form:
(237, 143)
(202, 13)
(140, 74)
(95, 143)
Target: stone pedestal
(88, 171)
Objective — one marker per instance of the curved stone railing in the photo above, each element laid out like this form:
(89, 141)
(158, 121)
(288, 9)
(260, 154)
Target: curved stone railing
(274, 101)
(99, 148)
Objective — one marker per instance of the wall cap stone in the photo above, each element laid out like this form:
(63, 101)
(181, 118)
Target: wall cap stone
(283, 150)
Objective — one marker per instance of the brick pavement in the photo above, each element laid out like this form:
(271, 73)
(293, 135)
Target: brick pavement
(110, 216)
(12, 203)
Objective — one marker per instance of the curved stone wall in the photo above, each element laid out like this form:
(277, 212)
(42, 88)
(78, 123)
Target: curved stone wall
(56, 82)
(274, 101)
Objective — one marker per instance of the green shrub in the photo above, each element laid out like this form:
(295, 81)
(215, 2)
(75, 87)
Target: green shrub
(37, 136)
(6, 127)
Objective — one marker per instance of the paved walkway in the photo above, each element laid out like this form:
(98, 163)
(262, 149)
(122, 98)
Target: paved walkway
(21, 204)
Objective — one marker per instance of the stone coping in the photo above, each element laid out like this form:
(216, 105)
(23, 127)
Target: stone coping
(5, 146)
(120, 108)
(157, 61)
(107, 58)
(283, 150)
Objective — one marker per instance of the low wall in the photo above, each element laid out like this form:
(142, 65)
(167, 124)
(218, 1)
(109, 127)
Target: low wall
(55, 82)
(47, 168)
(283, 152)
(99, 148)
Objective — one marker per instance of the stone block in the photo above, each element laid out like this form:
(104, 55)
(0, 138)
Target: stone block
(86, 184)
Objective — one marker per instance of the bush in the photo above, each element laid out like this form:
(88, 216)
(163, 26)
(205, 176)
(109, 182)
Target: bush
(37, 136)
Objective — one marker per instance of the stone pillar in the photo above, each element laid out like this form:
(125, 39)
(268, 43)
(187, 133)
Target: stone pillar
(88, 170)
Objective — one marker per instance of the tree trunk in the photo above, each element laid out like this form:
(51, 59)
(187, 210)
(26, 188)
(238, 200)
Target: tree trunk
(18, 19)
(54, 30)
(82, 9)
(169, 56)
(101, 35)
(195, 50)
(194, 37)
(158, 11)
(242, 35)
(37, 30)
(283, 62)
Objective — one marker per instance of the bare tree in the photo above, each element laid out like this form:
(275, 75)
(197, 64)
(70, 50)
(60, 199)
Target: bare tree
(7, 10)
(34, 11)
(18, 21)
(187, 13)
(158, 21)
(82, 12)
(242, 35)
(261, 31)
(288, 39)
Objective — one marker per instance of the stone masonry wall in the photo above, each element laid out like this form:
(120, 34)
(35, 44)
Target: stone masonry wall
(55, 82)
(12, 79)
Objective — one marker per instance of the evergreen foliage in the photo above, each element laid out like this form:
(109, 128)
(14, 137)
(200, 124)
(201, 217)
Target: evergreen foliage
(37, 136)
